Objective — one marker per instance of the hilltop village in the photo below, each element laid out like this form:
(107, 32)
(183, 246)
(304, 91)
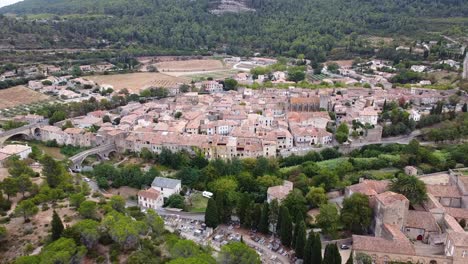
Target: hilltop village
(243, 123)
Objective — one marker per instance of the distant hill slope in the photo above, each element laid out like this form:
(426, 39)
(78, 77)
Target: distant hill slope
(287, 27)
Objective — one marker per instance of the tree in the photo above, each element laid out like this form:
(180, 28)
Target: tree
(326, 179)
(342, 133)
(52, 170)
(175, 201)
(17, 167)
(106, 119)
(331, 255)
(63, 250)
(238, 253)
(362, 258)
(177, 115)
(117, 203)
(24, 184)
(274, 212)
(184, 248)
(286, 226)
(68, 124)
(57, 116)
(76, 199)
(300, 238)
(154, 222)
(57, 226)
(230, 84)
(328, 219)
(123, 230)
(9, 186)
(88, 209)
(307, 258)
(411, 187)
(356, 214)
(296, 75)
(264, 223)
(200, 259)
(296, 202)
(88, 231)
(299, 218)
(211, 214)
(26, 208)
(184, 88)
(465, 108)
(316, 197)
(243, 209)
(316, 255)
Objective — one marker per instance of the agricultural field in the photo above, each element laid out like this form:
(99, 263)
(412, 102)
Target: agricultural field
(20, 99)
(135, 82)
(317, 77)
(190, 65)
(215, 75)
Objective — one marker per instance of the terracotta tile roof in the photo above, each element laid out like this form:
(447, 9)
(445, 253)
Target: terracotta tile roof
(422, 220)
(150, 193)
(378, 244)
(452, 223)
(370, 187)
(457, 213)
(390, 197)
(459, 238)
(443, 191)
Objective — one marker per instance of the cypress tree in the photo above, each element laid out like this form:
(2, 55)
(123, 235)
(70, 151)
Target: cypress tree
(317, 250)
(211, 214)
(300, 240)
(278, 224)
(307, 259)
(264, 223)
(222, 207)
(243, 209)
(299, 218)
(256, 215)
(332, 255)
(57, 226)
(286, 227)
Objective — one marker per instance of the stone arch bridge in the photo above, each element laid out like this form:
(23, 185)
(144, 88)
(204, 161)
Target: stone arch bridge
(31, 131)
(102, 152)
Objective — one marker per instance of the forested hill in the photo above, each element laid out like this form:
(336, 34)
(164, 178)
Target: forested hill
(288, 27)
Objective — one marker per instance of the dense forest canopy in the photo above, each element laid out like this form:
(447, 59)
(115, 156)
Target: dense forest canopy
(310, 27)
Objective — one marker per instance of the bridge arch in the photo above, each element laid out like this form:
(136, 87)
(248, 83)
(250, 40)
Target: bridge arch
(25, 135)
(101, 151)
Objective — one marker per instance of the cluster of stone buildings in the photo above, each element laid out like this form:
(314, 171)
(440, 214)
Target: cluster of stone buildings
(428, 234)
(244, 123)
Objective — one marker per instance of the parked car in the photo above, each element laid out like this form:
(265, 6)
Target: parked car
(344, 246)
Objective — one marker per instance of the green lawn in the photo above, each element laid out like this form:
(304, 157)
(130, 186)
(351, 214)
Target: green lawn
(198, 203)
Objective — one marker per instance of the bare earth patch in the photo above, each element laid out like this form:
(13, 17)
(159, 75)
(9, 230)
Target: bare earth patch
(124, 191)
(189, 65)
(135, 82)
(19, 95)
(21, 234)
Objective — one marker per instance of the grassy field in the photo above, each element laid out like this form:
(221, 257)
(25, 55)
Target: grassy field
(20, 96)
(198, 203)
(135, 82)
(215, 75)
